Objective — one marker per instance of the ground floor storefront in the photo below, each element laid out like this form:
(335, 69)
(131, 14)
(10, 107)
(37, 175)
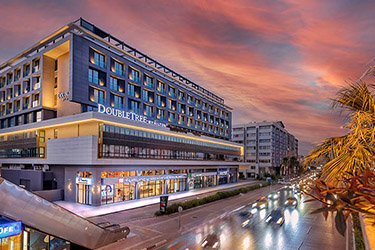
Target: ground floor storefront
(16, 236)
(100, 186)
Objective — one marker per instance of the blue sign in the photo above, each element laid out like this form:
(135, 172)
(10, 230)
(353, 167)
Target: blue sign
(10, 229)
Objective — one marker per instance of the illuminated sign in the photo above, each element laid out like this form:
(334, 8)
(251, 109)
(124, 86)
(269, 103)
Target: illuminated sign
(10, 229)
(131, 179)
(127, 115)
(203, 174)
(84, 180)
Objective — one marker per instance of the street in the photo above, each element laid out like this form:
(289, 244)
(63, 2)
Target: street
(301, 230)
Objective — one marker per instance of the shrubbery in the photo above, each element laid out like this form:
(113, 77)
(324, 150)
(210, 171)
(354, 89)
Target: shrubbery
(218, 196)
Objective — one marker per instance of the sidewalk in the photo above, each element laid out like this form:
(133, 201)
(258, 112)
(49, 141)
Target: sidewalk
(92, 211)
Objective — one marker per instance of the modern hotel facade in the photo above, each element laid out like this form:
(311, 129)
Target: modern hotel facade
(265, 145)
(95, 121)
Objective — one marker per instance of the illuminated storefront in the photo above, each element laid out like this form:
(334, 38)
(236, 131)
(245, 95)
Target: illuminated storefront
(16, 236)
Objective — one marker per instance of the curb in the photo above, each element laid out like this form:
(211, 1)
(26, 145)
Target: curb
(160, 243)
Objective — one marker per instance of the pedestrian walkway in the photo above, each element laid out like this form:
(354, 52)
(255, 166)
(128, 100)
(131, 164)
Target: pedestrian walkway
(91, 211)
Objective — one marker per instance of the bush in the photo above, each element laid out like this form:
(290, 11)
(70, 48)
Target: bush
(208, 199)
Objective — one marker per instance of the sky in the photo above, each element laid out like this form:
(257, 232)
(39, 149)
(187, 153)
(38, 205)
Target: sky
(270, 60)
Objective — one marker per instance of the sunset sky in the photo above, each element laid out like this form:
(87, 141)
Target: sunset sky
(269, 60)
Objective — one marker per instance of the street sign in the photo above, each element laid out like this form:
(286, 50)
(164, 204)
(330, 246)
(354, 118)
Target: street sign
(180, 209)
(163, 203)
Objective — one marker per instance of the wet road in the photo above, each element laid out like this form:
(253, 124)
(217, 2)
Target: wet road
(301, 230)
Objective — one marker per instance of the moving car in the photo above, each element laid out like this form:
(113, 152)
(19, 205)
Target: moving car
(261, 203)
(248, 220)
(212, 241)
(273, 195)
(291, 201)
(276, 217)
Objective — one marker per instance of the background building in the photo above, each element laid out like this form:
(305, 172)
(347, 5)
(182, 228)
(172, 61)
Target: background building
(265, 145)
(93, 120)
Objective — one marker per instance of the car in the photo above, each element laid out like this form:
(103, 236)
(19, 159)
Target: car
(248, 220)
(281, 181)
(273, 195)
(276, 217)
(261, 203)
(212, 241)
(291, 201)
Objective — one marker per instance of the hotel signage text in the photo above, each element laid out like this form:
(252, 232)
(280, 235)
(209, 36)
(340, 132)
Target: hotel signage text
(131, 179)
(127, 115)
(10, 229)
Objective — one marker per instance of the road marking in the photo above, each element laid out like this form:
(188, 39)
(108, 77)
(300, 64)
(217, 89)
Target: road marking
(176, 246)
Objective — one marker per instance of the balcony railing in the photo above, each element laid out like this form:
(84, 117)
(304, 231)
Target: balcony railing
(37, 85)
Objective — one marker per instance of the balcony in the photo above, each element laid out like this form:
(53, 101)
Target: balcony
(35, 69)
(161, 90)
(36, 85)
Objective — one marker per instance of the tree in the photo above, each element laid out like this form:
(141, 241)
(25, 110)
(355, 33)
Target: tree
(347, 182)
(284, 165)
(354, 152)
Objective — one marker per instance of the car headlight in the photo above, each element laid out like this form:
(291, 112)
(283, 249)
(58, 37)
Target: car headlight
(253, 211)
(279, 221)
(254, 205)
(286, 203)
(245, 223)
(275, 196)
(204, 243)
(268, 219)
(215, 245)
(262, 206)
(294, 202)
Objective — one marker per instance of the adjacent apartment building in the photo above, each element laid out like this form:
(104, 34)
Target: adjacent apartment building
(85, 113)
(265, 145)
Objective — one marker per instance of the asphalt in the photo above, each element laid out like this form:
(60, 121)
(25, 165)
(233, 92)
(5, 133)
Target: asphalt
(301, 230)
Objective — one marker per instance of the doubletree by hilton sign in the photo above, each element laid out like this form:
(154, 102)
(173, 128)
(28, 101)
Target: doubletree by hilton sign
(127, 115)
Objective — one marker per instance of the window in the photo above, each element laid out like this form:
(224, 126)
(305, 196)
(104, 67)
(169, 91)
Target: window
(205, 105)
(181, 108)
(39, 116)
(17, 105)
(181, 120)
(161, 87)
(198, 103)
(161, 114)
(148, 110)
(55, 133)
(97, 58)
(160, 100)
(36, 63)
(94, 76)
(134, 75)
(149, 81)
(26, 70)
(190, 100)
(171, 117)
(116, 84)
(181, 96)
(36, 100)
(42, 136)
(172, 91)
(148, 96)
(97, 95)
(171, 104)
(133, 106)
(117, 101)
(117, 67)
(134, 90)
(26, 102)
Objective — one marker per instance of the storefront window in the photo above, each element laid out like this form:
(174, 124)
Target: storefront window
(152, 172)
(124, 192)
(177, 171)
(151, 188)
(176, 185)
(113, 174)
(211, 181)
(107, 194)
(198, 182)
(84, 174)
(11, 243)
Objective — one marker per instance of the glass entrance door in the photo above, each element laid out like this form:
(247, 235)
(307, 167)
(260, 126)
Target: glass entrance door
(84, 194)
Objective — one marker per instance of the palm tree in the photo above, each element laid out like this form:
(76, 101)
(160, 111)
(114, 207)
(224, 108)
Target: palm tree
(353, 152)
(284, 164)
(293, 162)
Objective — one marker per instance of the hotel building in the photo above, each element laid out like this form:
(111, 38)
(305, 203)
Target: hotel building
(265, 145)
(86, 118)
